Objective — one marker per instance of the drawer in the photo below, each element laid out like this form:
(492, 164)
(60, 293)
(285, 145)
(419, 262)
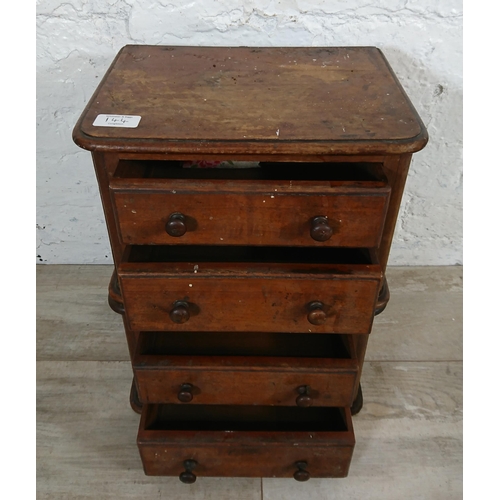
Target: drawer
(245, 369)
(163, 204)
(245, 441)
(260, 292)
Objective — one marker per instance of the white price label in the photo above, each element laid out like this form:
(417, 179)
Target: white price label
(127, 121)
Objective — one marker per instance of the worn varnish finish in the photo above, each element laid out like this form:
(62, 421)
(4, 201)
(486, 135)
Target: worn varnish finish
(277, 204)
(252, 441)
(222, 255)
(270, 214)
(237, 303)
(248, 369)
(218, 100)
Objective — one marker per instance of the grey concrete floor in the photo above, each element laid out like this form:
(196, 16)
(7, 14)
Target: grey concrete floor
(408, 434)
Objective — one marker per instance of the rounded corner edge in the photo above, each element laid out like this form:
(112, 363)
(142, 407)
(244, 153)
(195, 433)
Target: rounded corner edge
(80, 139)
(420, 141)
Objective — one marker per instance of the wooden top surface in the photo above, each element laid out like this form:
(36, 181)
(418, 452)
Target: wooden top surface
(215, 100)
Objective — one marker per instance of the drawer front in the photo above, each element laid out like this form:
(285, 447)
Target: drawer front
(289, 382)
(237, 304)
(343, 218)
(250, 460)
(255, 452)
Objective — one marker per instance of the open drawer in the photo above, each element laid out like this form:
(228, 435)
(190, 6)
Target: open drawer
(245, 441)
(262, 289)
(245, 369)
(312, 204)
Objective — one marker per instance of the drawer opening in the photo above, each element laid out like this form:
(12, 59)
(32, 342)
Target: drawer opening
(264, 171)
(196, 254)
(296, 345)
(244, 418)
(245, 369)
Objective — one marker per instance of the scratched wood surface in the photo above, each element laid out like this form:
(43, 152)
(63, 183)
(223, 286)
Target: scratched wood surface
(409, 432)
(344, 95)
(267, 302)
(259, 218)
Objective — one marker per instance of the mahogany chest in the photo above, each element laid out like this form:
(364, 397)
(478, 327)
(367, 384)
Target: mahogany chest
(251, 196)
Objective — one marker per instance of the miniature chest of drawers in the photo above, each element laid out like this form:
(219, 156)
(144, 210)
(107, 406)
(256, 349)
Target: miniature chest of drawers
(248, 290)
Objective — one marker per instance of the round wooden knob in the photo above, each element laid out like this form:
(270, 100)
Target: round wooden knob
(180, 312)
(301, 474)
(187, 476)
(304, 398)
(176, 224)
(320, 229)
(316, 314)
(185, 393)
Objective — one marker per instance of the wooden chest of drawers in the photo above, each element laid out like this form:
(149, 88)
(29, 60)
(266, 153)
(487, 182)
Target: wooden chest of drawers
(248, 285)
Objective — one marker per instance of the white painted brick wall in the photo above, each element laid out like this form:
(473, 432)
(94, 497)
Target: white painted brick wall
(77, 40)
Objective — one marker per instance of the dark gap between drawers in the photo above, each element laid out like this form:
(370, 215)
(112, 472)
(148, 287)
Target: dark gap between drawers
(259, 254)
(245, 418)
(152, 169)
(307, 345)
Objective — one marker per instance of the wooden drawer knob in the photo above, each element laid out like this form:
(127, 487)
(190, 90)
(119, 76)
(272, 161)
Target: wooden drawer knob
(301, 474)
(180, 312)
(320, 229)
(187, 476)
(304, 398)
(176, 224)
(316, 314)
(185, 393)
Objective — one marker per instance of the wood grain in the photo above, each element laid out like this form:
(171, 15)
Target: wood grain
(254, 441)
(268, 214)
(266, 371)
(191, 99)
(268, 303)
